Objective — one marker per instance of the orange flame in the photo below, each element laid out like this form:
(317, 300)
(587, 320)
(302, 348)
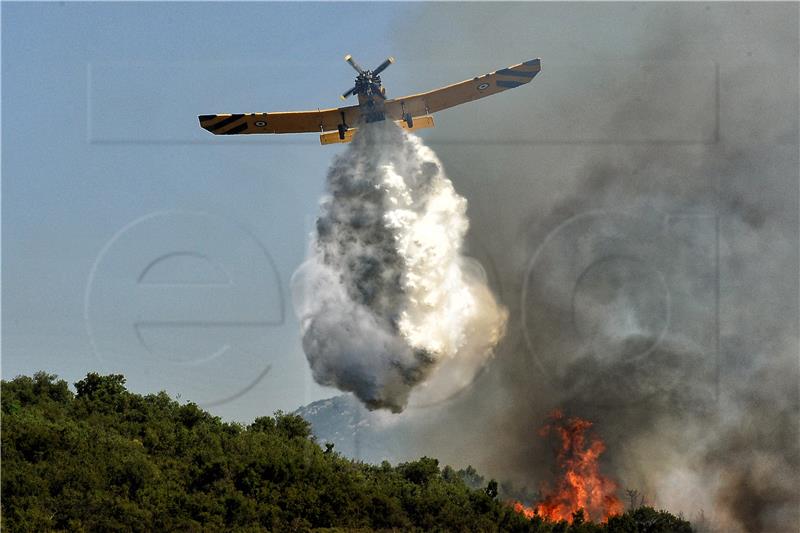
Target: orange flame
(581, 485)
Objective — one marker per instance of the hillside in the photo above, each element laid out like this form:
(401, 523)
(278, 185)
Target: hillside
(103, 458)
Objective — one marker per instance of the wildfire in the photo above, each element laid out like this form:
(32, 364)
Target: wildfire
(581, 485)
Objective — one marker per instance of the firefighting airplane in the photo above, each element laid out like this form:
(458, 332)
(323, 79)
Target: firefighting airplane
(338, 125)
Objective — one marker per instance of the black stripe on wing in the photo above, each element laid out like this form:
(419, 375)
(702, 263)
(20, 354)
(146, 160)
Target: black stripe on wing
(215, 127)
(236, 129)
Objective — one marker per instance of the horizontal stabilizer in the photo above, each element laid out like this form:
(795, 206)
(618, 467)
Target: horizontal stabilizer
(332, 137)
(418, 122)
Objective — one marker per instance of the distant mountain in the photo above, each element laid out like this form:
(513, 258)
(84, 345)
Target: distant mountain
(355, 431)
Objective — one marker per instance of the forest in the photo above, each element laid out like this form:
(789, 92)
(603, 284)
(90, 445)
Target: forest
(97, 457)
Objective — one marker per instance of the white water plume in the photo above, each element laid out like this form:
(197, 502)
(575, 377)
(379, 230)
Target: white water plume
(385, 296)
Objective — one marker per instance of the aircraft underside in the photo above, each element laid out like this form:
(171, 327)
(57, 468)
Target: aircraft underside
(337, 125)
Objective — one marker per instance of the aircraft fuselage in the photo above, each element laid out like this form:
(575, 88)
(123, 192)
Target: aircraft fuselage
(371, 107)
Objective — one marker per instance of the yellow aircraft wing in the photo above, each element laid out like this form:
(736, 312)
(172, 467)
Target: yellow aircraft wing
(432, 101)
(288, 122)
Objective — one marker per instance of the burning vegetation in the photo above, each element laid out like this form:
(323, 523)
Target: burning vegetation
(580, 486)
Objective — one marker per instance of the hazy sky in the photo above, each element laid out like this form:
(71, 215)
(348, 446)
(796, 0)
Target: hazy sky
(134, 241)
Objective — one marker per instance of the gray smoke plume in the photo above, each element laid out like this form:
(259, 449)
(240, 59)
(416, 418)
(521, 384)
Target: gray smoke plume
(638, 204)
(386, 296)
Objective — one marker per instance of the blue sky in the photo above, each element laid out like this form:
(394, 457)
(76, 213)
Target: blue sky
(106, 172)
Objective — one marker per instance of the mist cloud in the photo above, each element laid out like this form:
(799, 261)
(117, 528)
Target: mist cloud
(386, 296)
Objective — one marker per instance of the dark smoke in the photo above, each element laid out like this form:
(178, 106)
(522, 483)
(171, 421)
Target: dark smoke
(643, 229)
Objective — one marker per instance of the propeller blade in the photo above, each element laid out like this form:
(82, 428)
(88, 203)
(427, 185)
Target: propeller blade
(383, 65)
(376, 89)
(353, 64)
(348, 93)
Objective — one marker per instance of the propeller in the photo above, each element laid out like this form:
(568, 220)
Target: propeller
(369, 77)
(383, 65)
(353, 64)
(348, 93)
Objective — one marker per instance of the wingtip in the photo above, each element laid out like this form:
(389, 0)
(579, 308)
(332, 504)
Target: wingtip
(348, 57)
